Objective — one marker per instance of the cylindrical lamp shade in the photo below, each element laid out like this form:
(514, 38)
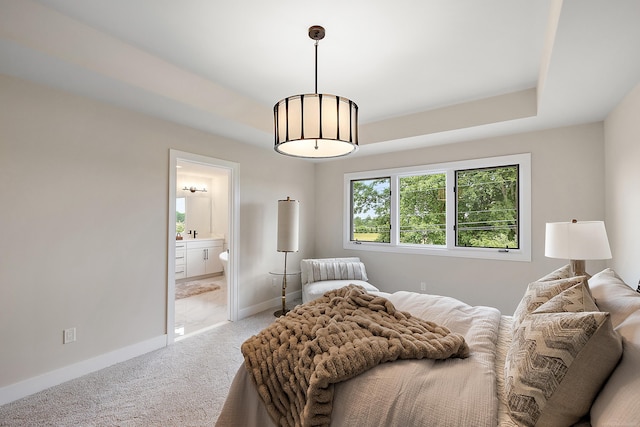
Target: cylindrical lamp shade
(583, 240)
(288, 225)
(316, 126)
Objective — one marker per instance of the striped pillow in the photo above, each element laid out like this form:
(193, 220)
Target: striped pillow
(337, 270)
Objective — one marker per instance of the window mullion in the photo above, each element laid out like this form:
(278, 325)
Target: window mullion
(395, 210)
(451, 209)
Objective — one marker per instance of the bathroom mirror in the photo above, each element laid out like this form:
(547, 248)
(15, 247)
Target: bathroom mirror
(193, 213)
(198, 214)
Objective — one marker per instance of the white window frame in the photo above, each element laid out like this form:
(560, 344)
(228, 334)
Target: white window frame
(523, 253)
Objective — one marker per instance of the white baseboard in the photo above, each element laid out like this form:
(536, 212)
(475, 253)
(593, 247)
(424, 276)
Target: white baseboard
(41, 382)
(33, 385)
(272, 303)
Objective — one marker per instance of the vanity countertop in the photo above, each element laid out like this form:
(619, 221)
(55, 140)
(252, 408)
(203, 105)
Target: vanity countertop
(199, 239)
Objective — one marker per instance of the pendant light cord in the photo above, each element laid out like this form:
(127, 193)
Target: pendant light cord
(316, 44)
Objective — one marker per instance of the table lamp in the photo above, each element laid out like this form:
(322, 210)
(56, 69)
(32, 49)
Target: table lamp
(577, 241)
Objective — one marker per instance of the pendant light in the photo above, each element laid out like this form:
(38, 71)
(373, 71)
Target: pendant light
(316, 125)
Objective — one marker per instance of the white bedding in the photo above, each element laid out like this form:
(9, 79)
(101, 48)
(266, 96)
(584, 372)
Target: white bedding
(452, 392)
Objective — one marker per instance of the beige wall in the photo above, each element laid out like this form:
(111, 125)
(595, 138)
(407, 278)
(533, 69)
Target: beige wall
(85, 198)
(622, 175)
(84, 190)
(567, 182)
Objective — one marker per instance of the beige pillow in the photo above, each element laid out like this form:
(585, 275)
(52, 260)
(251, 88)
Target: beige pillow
(556, 364)
(618, 403)
(612, 294)
(538, 293)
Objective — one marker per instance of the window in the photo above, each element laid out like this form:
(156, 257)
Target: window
(487, 207)
(422, 213)
(371, 201)
(476, 208)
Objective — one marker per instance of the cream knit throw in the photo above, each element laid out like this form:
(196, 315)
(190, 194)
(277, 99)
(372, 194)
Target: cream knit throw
(296, 361)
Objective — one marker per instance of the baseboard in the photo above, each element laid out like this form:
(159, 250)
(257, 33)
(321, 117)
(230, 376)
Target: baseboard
(41, 382)
(274, 303)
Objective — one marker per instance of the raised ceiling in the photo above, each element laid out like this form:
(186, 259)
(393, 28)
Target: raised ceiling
(423, 72)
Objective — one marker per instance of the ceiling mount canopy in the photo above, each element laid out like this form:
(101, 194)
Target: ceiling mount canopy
(316, 125)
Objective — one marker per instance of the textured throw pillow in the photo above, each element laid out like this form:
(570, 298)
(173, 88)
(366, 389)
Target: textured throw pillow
(563, 272)
(556, 364)
(574, 300)
(337, 270)
(538, 293)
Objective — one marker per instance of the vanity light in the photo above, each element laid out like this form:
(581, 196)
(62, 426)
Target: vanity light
(194, 189)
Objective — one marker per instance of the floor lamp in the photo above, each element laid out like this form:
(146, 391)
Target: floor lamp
(288, 211)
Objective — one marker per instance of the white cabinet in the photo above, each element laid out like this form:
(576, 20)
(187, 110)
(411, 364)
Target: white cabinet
(181, 262)
(203, 257)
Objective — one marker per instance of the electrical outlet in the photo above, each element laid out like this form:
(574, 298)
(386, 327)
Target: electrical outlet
(69, 335)
(423, 286)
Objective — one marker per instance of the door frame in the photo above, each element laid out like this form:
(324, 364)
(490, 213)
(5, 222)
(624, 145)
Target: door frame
(233, 237)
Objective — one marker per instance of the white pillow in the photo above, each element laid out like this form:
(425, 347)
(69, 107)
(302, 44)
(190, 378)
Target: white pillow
(337, 270)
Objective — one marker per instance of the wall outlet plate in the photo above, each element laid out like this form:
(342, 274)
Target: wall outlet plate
(69, 335)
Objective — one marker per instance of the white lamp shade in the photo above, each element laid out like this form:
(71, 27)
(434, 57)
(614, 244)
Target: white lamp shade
(581, 240)
(288, 225)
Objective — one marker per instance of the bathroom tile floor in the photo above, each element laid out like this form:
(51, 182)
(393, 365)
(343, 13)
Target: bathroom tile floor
(198, 312)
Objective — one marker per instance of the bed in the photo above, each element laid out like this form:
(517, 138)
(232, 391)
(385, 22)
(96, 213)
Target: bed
(569, 355)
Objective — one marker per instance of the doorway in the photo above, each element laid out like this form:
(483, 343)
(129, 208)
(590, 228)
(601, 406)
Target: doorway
(203, 223)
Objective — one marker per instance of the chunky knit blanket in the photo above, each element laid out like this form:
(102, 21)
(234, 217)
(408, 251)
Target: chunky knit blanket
(296, 360)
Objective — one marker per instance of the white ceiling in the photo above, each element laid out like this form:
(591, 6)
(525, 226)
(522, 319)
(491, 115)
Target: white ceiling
(422, 72)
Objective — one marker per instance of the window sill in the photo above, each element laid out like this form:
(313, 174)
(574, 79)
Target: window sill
(494, 254)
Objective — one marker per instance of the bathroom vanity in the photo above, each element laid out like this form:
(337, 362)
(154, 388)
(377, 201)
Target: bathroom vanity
(198, 257)
(181, 254)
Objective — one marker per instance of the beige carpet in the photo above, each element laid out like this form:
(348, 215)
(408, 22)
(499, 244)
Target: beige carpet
(195, 287)
(184, 384)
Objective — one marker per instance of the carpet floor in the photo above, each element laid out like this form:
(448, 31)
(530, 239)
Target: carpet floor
(184, 384)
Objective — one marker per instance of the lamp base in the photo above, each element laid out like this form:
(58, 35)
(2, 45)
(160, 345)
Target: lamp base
(281, 313)
(578, 267)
